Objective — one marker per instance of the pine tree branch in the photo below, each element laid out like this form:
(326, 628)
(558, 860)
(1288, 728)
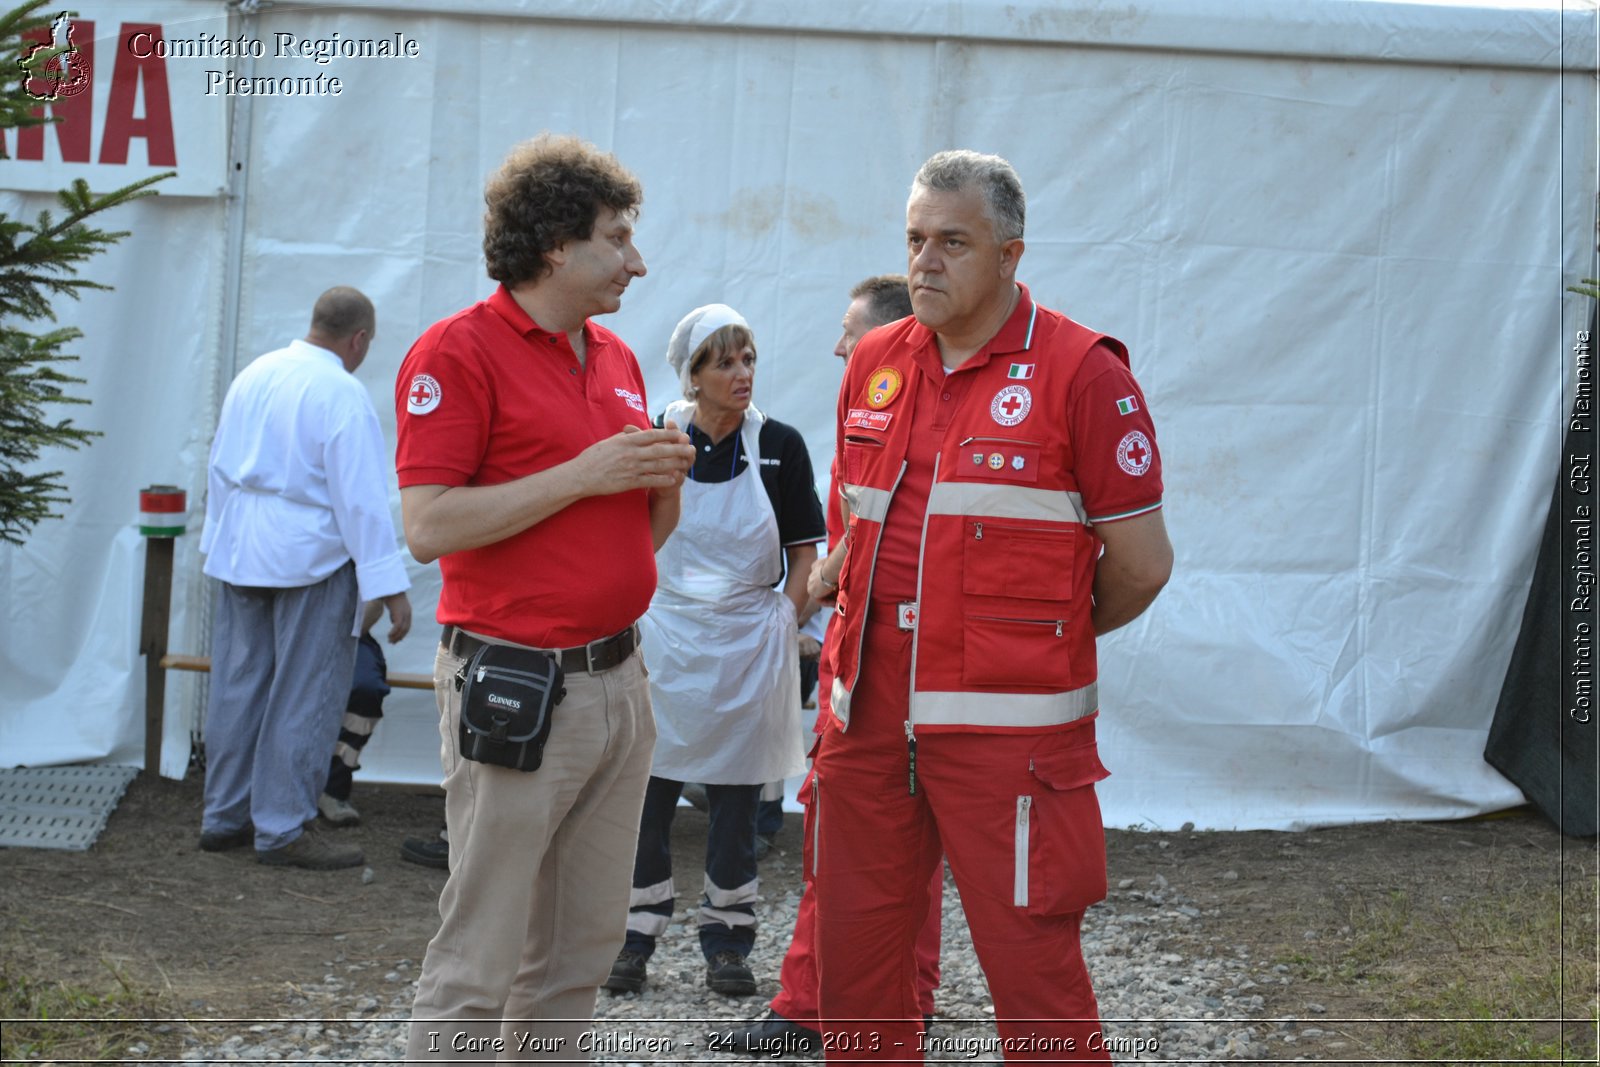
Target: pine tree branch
(39, 261)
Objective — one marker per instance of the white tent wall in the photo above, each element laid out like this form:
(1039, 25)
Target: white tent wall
(69, 628)
(1334, 235)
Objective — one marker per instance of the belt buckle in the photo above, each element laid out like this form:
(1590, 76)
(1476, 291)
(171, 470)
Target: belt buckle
(905, 614)
(593, 651)
(591, 654)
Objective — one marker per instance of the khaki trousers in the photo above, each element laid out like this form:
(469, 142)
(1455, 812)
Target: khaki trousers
(536, 905)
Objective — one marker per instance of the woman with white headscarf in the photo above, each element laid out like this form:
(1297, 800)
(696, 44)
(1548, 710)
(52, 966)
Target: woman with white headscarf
(719, 641)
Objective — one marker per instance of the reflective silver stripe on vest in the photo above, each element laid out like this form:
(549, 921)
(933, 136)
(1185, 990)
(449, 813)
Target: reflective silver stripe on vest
(870, 504)
(1004, 709)
(1005, 502)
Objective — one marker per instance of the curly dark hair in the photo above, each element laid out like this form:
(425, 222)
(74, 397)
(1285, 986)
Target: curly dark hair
(548, 192)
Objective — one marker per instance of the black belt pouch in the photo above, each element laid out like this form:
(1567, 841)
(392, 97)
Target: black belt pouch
(507, 697)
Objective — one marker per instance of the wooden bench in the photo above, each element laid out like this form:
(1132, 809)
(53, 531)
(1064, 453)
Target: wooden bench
(176, 661)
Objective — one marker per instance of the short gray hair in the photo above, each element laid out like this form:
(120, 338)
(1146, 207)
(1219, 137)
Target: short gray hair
(961, 168)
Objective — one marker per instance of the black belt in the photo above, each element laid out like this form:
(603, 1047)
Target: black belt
(596, 656)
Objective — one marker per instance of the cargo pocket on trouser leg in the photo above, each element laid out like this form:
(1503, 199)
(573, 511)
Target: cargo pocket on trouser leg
(1059, 843)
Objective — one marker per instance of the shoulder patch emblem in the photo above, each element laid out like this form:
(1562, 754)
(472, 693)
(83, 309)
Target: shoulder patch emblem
(1011, 405)
(424, 395)
(1133, 453)
(883, 387)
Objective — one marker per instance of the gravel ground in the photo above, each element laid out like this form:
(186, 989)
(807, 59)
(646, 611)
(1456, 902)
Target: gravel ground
(1158, 1005)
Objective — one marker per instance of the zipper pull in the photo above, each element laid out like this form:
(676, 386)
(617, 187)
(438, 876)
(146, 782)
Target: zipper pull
(978, 531)
(485, 670)
(1059, 624)
(911, 760)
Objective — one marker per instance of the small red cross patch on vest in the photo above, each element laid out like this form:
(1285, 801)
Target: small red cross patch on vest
(1011, 405)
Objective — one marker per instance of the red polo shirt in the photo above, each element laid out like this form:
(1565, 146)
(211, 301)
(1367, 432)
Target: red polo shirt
(487, 396)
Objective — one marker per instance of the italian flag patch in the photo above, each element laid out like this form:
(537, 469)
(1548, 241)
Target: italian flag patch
(1127, 406)
(1020, 370)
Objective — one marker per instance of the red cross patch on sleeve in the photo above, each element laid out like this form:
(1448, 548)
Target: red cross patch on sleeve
(424, 395)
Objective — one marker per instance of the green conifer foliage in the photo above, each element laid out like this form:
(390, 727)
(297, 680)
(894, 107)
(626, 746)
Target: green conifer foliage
(39, 262)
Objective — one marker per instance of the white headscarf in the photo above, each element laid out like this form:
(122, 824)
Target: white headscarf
(692, 332)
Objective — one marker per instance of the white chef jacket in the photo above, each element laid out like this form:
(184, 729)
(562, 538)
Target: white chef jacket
(298, 481)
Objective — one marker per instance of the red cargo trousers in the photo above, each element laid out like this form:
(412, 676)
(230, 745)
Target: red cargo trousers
(1016, 816)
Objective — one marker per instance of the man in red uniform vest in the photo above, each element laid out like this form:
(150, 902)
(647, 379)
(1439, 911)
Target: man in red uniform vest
(1000, 469)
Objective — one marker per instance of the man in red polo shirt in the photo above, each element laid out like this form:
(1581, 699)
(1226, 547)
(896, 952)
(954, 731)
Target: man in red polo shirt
(529, 469)
(1004, 492)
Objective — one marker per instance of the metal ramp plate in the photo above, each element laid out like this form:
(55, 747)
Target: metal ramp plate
(58, 807)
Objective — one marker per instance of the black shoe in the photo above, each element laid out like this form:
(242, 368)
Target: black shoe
(775, 1036)
(627, 973)
(727, 973)
(764, 843)
(223, 840)
(312, 851)
(434, 853)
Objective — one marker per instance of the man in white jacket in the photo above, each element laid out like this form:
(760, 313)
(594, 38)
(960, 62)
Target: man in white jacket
(297, 534)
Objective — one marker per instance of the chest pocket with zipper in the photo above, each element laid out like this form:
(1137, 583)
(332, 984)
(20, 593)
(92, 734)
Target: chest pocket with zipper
(1017, 582)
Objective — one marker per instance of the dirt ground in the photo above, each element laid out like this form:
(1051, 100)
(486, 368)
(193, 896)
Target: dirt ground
(219, 936)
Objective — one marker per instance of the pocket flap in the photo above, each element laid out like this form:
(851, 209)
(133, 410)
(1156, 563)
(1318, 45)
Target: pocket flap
(1013, 558)
(1069, 768)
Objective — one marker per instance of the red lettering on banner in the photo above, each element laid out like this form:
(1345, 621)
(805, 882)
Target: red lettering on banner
(75, 112)
(138, 74)
(156, 124)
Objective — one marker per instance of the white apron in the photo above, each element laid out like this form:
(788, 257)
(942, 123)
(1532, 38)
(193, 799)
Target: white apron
(719, 640)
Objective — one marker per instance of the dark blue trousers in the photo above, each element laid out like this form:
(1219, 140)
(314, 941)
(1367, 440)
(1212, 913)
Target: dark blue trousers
(727, 908)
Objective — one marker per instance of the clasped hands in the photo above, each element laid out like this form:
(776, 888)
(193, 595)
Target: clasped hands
(652, 459)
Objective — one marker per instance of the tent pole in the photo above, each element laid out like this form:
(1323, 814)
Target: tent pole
(241, 111)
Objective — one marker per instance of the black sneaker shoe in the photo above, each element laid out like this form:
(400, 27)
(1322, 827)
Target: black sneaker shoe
(775, 1036)
(223, 840)
(627, 973)
(727, 973)
(764, 843)
(434, 853)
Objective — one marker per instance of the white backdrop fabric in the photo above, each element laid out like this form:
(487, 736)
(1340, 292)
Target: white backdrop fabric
(1334, 235)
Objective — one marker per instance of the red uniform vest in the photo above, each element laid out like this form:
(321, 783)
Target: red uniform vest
(1003, 639)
